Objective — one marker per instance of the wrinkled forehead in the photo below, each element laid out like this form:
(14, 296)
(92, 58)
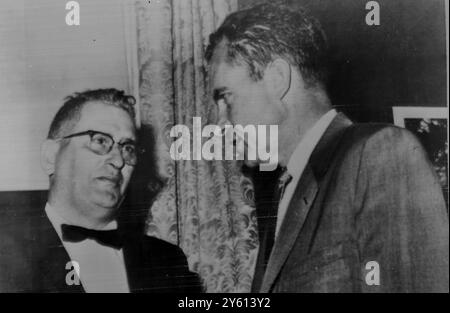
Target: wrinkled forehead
(107, 118)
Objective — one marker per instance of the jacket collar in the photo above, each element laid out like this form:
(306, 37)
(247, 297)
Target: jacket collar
(304, 197)
(325, 150)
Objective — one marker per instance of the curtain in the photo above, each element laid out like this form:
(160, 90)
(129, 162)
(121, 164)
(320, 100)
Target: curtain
(205, 207)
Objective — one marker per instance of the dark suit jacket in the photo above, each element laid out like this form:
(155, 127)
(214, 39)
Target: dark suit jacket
(34, 259)
(368, 193)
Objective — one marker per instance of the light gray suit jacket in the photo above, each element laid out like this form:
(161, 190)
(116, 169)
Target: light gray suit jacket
(369, 193)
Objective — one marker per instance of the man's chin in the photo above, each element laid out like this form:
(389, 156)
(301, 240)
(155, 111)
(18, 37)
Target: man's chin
(109, 199)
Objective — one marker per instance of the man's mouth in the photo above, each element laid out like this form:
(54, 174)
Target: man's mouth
(113, 179)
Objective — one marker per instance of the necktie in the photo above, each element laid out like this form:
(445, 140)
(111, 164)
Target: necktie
(283, 182)
(267, 221)
(110, 238)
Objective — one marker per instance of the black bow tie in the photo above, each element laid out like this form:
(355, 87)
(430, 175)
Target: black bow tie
(110, 238)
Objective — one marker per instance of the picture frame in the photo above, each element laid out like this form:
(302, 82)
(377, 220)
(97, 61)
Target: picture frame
(430, 125)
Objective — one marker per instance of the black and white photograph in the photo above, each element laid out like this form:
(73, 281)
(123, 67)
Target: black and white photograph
(245, 147)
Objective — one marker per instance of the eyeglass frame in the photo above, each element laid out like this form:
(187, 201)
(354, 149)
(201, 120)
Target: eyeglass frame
(91, 133)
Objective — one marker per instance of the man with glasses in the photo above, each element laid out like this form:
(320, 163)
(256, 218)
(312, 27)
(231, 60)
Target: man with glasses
(76, 245)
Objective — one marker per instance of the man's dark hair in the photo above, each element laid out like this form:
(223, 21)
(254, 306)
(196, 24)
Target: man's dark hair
(256, 36)
(70, 113)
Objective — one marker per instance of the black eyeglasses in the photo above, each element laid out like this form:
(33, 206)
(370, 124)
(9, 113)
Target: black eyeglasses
(102, 144)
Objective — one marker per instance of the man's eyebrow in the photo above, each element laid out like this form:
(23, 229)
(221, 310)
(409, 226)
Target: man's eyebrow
(128, 140)
(122, 140)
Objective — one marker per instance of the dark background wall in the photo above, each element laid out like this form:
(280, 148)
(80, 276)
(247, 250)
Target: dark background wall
(401, 62)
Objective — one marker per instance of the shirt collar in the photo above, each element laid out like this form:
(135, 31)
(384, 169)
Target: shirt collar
(306, 146)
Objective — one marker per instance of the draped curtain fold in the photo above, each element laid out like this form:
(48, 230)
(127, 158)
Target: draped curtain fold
(205, 207)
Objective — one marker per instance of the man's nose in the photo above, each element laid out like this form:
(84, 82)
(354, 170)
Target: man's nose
(116, 158)
(222, 115)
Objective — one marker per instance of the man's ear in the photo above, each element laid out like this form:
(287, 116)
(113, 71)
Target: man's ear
(49, 150)
(278, 78)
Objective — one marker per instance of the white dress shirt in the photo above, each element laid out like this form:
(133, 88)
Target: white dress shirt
(102, 268)
(299, 159)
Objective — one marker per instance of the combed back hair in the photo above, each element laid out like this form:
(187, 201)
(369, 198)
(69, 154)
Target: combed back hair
(70, 113)
(258, 35)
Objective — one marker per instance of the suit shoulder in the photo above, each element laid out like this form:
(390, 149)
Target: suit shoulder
(14, 235)
(391, 132)
(374, 146)
(18, 252)
(388, 147)
(378, 137)
(170, 261)
(156, 244)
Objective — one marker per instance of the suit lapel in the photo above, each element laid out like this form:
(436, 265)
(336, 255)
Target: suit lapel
(298, 209)
(303, 198)
(51, 259)
(133, 262)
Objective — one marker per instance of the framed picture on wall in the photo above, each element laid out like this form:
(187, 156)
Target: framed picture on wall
(430, 125)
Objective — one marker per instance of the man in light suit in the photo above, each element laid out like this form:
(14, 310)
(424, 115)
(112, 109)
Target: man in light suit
(358, 207)
(76, 244)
